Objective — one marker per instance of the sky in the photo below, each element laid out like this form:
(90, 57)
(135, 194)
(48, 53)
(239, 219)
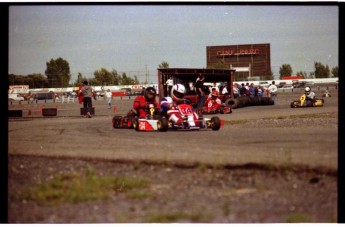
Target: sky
(136, 38)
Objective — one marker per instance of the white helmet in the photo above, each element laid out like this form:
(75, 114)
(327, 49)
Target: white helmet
(307, 89)
(177, 92)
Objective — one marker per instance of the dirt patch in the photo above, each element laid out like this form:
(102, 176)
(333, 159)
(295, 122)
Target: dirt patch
(175, 194)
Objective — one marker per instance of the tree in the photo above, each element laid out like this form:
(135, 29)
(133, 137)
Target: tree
(285, 70)
(104, 77)
(303, 74)
(125, 80)
(163, 65)
(220, 65)
(335, 71)
(58, 73)
(321, 71)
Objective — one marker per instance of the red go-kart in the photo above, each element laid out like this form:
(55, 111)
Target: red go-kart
(153, 121)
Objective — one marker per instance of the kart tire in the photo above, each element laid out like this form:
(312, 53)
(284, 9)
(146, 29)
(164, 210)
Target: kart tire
(163, 124)
(135, 124)
(116, 121)
(215, 123)
(293, 104)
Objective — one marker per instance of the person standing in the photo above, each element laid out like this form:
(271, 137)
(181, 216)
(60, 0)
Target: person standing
(170, 84)
(109, 96)
(87, 92)
(200, 92)
(272, 90)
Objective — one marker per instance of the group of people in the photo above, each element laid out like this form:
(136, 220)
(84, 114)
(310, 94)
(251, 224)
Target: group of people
(255, 91)
(168, 105)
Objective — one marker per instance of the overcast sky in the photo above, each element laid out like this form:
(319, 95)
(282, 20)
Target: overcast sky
(140, 37)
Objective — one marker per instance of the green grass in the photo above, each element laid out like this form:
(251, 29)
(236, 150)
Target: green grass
(297, 217)
(75, 188)
(177, 216)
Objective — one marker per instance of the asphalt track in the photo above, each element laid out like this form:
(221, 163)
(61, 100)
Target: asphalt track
(71, 135)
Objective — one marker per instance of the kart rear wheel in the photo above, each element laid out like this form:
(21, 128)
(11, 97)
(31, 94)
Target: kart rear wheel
(116, 121)
(162, 124)
(294, 104)
(215, 123)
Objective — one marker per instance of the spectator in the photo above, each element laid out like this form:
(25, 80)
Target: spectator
(243, 90)
(272, 90)
(109, 96)
(200, 92)
(87, 93)
(170, 84)
(251, 90)
(236, 90)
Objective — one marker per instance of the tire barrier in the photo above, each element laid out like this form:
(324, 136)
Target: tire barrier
(243, 101)
(83, 111)
(49, 111)
(15, 113)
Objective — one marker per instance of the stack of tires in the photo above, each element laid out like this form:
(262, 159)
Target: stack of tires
(243, 101)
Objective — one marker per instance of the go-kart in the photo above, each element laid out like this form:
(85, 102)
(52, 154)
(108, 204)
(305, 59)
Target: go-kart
(191, 123)
(153, 121)
(214, 108)
(303, 103)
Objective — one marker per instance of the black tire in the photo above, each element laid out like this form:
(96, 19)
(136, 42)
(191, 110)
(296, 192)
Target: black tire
(135, 124)
(215, 123)
(163, 125)
(293, 104)
(116, 121)
(49, 112)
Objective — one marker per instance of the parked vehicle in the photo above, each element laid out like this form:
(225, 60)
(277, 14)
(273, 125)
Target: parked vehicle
(15, 97)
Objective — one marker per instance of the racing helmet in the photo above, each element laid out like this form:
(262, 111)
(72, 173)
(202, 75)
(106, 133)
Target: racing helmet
(307, 90)
(214, 94)
(150, 94)
(177, 92)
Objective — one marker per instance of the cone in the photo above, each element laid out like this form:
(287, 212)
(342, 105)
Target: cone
(115, 109)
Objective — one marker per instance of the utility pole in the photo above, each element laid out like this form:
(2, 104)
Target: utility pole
(146, 74)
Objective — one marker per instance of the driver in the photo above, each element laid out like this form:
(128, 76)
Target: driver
(310, 96)
(142, 103)
(169, 104)
(213, 102)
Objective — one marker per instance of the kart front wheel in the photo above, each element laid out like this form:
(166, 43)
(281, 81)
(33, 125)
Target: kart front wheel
(162, 124)
(215, 123)
(135, 124)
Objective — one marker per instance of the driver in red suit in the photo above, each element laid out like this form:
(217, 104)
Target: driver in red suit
(142, 103)
(213, 103)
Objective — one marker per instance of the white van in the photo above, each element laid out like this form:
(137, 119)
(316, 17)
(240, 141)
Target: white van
(264, 84)
(15, 97)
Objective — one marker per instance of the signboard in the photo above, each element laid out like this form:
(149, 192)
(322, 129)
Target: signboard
(18, 89)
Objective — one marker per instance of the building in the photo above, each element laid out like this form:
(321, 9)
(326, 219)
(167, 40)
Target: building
(251, 61)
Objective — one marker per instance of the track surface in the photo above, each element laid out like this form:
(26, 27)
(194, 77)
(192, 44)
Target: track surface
(71, 135)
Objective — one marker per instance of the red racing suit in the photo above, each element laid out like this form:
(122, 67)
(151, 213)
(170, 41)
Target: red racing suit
(141, 106)
(213, 104)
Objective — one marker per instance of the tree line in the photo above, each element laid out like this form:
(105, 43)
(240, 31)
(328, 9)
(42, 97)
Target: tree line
(57, 74)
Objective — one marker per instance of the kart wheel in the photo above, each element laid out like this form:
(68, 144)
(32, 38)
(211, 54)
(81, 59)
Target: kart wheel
(215, 123)
(162, 124)
(116, 122)
(293, 105)
(135, 124)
